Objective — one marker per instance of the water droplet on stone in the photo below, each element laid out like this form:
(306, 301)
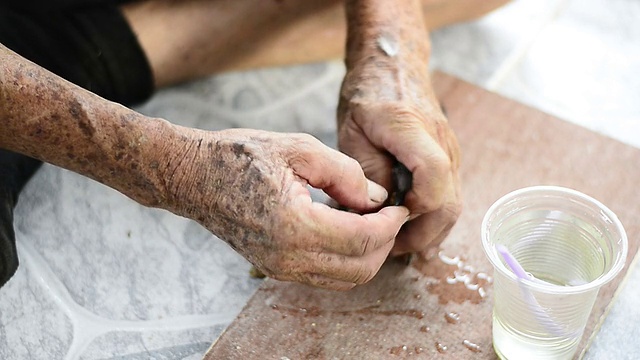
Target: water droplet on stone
(447, 260)
(482, 292)
(471, 346)
(472, 287)
(441, 348)
(452, 318)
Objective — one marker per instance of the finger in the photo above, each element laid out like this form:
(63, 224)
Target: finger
(342, 269)
(324, 282)
(351, 234)
(375, 163)
(420, 145)
(337, 272)
(428, 230)
(430, 167)
(339, 175)
(313, 279)
(420, 234)
(326, 270)
(357, 270)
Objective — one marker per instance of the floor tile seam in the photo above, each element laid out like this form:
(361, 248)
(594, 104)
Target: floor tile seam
(91, 325)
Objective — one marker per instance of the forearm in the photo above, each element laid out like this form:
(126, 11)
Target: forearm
(389, 39)
(48, 118)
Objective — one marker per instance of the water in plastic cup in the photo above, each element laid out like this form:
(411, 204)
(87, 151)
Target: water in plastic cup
(571, 245)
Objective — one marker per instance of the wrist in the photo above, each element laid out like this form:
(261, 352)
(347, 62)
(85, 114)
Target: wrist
(391, 28)
(188, 164)
(156, 156)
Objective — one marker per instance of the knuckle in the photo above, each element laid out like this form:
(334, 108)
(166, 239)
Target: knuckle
(306, 140)
(440, 165)
(450, 211)
(302, 145)
(363, 239)
(454, 150)
(352, 165)
(348, 168)
(354, 172)
(364, 245)
(434, 192)
(431, 202)
(362, 276)
(453, 211)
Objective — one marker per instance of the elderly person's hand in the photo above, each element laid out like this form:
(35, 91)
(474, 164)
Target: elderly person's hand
(388, 112)
(249, 187)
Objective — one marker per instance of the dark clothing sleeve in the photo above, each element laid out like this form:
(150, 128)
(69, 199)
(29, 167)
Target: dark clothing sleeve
(92, 47)
(87, 42)
(48, 5)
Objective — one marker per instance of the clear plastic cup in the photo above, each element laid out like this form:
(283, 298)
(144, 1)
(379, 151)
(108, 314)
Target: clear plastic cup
(570, 245)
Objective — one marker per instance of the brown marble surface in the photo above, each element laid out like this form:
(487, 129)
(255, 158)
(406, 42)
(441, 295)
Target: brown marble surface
(414, 312)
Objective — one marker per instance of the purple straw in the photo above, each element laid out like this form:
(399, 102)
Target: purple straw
(541, 315)
(513, 263)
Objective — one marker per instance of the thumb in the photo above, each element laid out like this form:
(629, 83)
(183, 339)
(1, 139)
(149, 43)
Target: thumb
(339, 175)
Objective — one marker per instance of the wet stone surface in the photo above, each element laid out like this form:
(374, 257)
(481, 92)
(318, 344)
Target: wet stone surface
(443, 304)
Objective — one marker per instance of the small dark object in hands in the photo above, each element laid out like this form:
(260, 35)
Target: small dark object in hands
(401, 182)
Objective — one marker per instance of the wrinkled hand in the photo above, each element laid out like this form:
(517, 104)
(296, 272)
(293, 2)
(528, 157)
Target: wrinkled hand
(250, 188)
(387, 114)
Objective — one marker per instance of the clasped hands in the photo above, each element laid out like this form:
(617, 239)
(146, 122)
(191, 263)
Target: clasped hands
(249, 187)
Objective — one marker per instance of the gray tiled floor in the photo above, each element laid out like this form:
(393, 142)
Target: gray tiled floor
(103, 277)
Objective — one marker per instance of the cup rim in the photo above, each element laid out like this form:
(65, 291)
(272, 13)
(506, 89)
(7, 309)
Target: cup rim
(492, 255)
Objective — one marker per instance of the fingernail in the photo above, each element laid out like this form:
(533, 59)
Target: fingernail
(376, 192)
